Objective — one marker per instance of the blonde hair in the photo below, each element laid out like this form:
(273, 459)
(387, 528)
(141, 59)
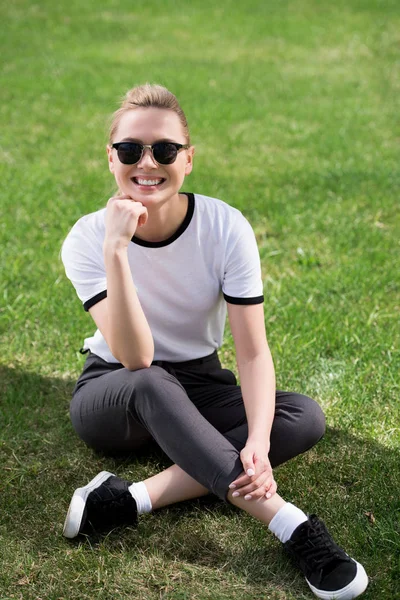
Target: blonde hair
(146, 96)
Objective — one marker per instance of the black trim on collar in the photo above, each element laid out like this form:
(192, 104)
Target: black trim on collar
(92, 301)
(183, 226)
(254, 300)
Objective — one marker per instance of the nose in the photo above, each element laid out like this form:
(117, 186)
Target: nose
(147, 159)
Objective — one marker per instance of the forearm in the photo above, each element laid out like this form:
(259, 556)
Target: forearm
(257, 380)
(128, 333)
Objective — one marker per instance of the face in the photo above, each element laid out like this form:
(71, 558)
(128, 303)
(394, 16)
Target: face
(147, 126)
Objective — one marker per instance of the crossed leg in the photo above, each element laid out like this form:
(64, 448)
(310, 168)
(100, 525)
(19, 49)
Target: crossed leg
(120, 409)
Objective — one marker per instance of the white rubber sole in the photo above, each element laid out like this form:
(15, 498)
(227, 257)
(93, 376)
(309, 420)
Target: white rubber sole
(353, 590)
(77, 505)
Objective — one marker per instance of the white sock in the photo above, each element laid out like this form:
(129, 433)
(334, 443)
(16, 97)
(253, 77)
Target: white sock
(141, 495)
(285, 521)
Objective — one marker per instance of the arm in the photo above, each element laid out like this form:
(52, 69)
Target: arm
(255, 366)
(257, 378)
(120, 317)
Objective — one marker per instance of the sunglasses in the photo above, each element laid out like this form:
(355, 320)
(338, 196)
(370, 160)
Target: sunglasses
(164, 153)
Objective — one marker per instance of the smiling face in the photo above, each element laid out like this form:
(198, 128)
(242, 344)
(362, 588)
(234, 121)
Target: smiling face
(148, 182)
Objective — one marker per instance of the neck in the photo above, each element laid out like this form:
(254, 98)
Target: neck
(164, 220)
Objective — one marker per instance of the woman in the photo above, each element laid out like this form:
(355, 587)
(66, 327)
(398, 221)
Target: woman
(157, 269)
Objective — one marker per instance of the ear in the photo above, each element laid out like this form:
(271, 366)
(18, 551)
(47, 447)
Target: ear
(189, 160)
(110, 158)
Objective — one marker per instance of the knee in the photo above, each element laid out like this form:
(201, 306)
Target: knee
(150, 386)
(314, 425)
(145, 380)
(151, 380)
(299, 423)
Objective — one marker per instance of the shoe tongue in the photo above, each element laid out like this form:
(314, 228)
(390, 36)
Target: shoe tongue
(303, 529)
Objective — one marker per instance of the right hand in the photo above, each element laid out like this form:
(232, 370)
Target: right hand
(260, 482)
(123, 217)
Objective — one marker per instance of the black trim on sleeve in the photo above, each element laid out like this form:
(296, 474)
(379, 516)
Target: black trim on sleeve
(182, 227)
(244, 301)
(92, 301)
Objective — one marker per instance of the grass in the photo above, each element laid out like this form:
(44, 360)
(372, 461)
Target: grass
(294, 112)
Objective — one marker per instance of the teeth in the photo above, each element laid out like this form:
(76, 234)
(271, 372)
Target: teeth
(148, 181)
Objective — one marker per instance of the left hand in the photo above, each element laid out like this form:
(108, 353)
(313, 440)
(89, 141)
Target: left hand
(257, 481)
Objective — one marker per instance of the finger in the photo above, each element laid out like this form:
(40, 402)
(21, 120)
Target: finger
(143, 217)
(248, 462)
(272, 490)
(240, 483)
(127, 203)
(264, 491)
(126, 209)
(114, 199)
(259, 487)
(244, 479)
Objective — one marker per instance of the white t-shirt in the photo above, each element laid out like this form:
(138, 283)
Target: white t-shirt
(183, 283)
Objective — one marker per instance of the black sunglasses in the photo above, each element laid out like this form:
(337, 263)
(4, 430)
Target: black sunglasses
(164, 153)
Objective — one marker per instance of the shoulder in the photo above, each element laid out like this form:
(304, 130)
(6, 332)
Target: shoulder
(90, 223)
(88, 226)
(207, 204)
(87, 233)
(220, 215)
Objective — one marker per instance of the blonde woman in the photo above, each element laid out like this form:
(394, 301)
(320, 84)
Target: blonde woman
(158, 270)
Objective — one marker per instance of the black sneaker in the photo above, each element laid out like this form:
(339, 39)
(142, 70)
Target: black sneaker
(101, 505)
(329, 571)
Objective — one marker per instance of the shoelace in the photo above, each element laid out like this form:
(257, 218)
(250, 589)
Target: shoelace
(318, 550)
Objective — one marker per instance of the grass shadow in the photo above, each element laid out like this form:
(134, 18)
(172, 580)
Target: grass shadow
(352, 483)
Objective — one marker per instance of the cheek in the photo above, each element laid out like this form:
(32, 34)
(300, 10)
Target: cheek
(122, 180)
(182, 170)
(120, 173)
(180, 175)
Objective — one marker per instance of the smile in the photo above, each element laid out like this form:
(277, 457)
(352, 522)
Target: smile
(140, 181)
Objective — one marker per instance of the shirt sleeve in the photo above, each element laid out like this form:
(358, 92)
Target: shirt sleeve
(242, 282)
(82, 256)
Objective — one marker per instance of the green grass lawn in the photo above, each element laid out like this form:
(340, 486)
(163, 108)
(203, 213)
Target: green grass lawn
(294, 112)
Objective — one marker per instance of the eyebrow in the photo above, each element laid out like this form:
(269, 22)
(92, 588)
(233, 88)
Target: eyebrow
(138, 141)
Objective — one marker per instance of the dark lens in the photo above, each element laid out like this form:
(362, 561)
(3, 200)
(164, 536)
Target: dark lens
(165, 153)
(129, 153)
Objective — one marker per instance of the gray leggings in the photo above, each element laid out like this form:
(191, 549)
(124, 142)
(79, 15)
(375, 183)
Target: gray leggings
(193, 410)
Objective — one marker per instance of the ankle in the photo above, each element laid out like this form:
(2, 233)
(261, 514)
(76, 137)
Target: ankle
(141, 495)
(286, 520)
